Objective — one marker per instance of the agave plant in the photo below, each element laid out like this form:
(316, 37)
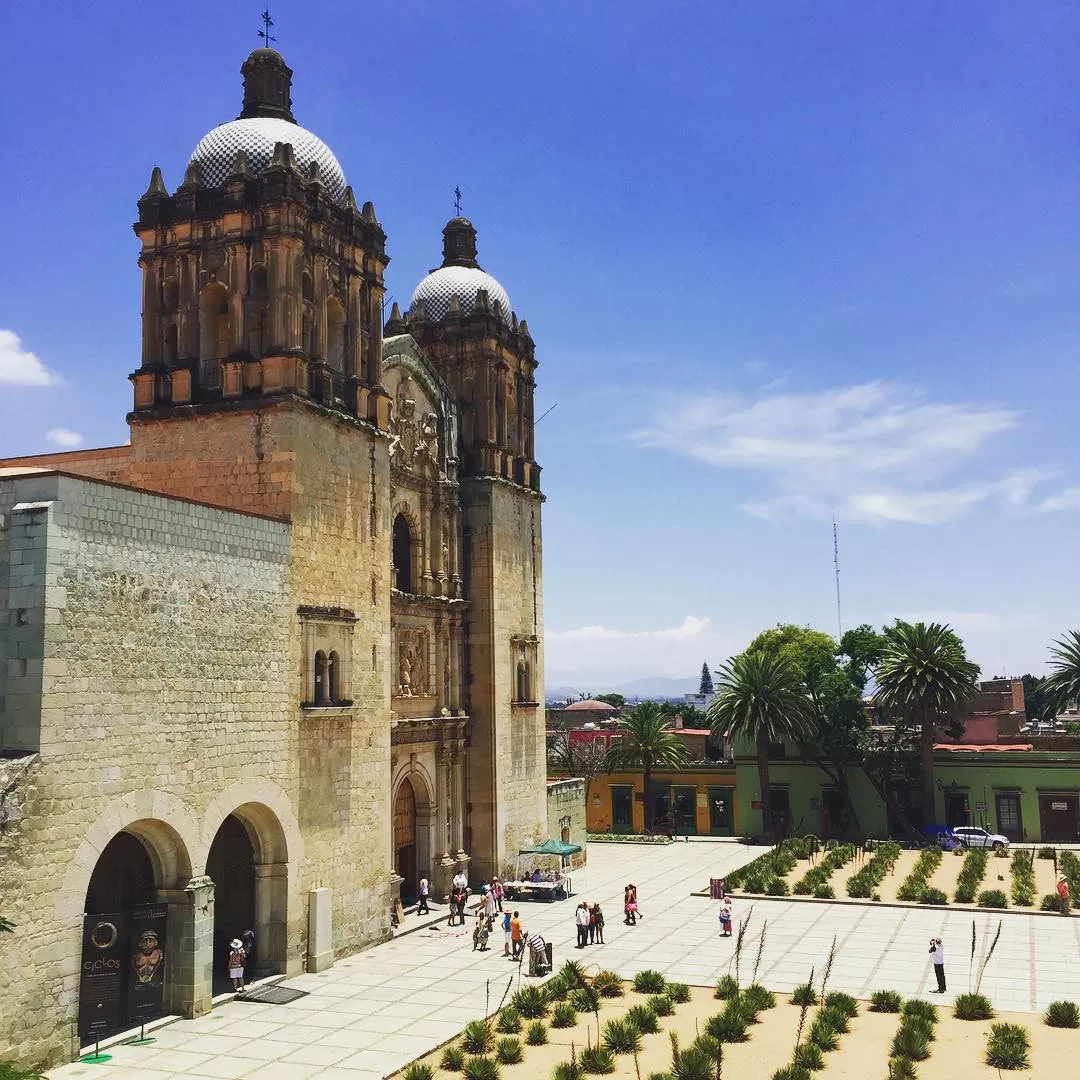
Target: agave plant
(911, 1043)
(728, 1026)
(1007, 1047)
(1062, 1014)
(842, 1002)
(693, 1063)
(804, 994)
(649, 982)
(509, 1050)
(536, 1034)
(530, 1002)
(597, 1060)
(418, 1070)
(973, 1007)
(755, 996)
(621, 1036)
(644, 1018)
(509, 1021)
(608, 984)
(922, 1010)
(727, 987)
(563, 1015)
(567, 1070)
(476, 1037)
(824, 1034)
(809, 1056)
(886, 1001)
(902, 1069)
(678, 992)
(836, 1018)
(453, 1059)
(481, 1068)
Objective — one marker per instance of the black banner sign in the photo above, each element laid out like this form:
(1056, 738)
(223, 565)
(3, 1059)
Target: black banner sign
(146, 966)
(101, 990)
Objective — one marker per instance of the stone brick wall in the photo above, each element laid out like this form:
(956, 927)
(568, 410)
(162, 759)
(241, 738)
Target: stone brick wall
(566, 806)
(163, 700)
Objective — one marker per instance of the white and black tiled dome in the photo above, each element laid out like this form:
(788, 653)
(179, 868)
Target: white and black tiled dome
(257, 135)
(440, 285)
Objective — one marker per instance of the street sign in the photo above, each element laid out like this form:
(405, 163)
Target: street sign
(981, 808)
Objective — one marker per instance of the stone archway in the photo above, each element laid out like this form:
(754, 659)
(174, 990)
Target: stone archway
(135, 909)
(248, 863)
(413, 828)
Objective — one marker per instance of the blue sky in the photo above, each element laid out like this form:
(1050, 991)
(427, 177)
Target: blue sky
(781, 260)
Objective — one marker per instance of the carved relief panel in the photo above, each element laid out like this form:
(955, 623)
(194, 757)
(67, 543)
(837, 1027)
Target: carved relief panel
(414, 677)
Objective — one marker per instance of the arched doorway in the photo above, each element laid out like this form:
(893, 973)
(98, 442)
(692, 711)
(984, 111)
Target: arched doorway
(402, 555)
(231, 866)
(405, 837)
(124, 967)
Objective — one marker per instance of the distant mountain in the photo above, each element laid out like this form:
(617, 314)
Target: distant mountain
(650, 687)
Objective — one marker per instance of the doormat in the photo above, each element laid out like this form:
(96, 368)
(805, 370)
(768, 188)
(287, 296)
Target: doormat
(271, 995)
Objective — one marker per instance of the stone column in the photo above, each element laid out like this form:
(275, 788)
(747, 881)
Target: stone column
(271, 929)
(189, 948)
(458, 806)
(442, 807)
(151, 336)
(426, 543)
(440, 665)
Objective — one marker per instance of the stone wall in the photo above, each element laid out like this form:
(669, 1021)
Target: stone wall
(566, 809)
(164, 707)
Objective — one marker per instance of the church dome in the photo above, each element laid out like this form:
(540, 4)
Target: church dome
(440, 285)
(257, 135)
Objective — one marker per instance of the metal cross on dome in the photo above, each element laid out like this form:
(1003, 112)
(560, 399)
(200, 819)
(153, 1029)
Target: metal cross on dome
(457, 201)
(264, 33)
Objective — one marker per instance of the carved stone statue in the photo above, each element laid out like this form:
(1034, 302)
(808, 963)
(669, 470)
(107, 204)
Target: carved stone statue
(428, 447)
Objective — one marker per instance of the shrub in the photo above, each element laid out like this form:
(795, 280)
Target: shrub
(973, 1007)
(418, 1070)
(911, 1043)
(901, 1069)
(660, 1076)
(886, 1001)
(934, 896)
(509, 1050)
(728, 1026)
(481, 1068)
(758, 998)
(823, 1034)
(791, 1072)
(584, 999)
(536, 1034)
(915, 883)
(693, 1063)
(1050, 902)
(453, 1059)
(836, 1018)
(809, 1056)
(920, 1010)
(621, 1036)
(509, 1022)
(661, 1004)
(727, 987)
(861, 884)
(573, 974)
(842, 1002)
(649, 982)
(1062, 1014)
(993, 898)
(1046, 853)
(777, 887)
(1007, 1047)
(804, 994)
(530, 1002)
(608, 984)
(971, 873)
(597, 1060)
(643, 1018)
(824, 892)
(678, 992)
(1022, 872)
(476, 1037)
(563, 1015)
(556, 989)
(567, 1070)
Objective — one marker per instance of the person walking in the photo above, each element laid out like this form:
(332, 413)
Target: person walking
(581, 917)
(423, 888)
(1063, 894)
(631, 905)
(725, 918)
(598, 923)
(499, 891)
(236, 964)
(490, 907)
(937, 950)
(506, 933)
(515, 935)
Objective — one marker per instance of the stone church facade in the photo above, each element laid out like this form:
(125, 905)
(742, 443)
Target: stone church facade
(281, 654)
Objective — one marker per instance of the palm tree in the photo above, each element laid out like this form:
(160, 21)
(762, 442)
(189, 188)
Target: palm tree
(925, 678)
(645, 740)
(760, 697)
(1062, 685)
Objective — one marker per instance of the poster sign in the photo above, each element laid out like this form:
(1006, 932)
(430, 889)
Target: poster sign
(1059, 806)
(146, 965)
(101, 986)
(981, 808)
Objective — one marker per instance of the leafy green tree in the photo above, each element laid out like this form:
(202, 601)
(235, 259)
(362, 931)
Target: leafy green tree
(925, 681)
(646, 740)
(689, 714)
(706, 684)
(761, 697)
(1038, 701)
(617, 701)
(837, 738)
(1062, 685)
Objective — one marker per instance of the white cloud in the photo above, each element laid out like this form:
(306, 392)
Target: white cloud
(62, 437)
(691, 626)
(871, 452)
(1068, 499)
(19, 366)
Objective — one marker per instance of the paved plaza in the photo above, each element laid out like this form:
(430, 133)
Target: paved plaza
(374, 1012)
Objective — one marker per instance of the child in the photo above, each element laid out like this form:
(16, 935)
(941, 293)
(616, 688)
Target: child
(236, 964)
(506, 933)
(725, 918)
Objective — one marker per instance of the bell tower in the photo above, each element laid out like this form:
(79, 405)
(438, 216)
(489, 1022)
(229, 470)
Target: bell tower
(261, 276)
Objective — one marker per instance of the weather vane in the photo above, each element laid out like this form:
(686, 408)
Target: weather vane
(264, 33)
(457, 201)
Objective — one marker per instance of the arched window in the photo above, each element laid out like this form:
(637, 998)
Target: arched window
(214, 322)
(256, 324)
(322, 690)
(403, 577)
(333, 678)
(335, 334)
(524, 690)
(565, 835)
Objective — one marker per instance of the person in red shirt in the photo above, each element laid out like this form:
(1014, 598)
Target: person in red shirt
(1063, 895)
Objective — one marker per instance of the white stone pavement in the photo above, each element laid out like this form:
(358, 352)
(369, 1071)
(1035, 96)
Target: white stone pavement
(374, 1012)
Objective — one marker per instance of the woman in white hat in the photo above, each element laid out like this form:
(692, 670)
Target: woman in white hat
(236, 963)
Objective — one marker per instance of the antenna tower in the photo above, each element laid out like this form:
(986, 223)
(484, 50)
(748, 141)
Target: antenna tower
(836, 567)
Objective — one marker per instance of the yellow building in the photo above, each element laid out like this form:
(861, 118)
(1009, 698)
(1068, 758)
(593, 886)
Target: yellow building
(696, 801)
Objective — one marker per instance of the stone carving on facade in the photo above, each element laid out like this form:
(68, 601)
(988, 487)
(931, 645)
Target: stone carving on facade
(428, 449)
(412, 663)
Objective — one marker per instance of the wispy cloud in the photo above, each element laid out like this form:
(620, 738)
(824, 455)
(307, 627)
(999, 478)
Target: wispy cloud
(1067, 499)
(62, 437)
(873, 452)
(19, 366)
(691, 626)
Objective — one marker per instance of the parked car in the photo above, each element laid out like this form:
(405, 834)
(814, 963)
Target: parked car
(973, 836)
